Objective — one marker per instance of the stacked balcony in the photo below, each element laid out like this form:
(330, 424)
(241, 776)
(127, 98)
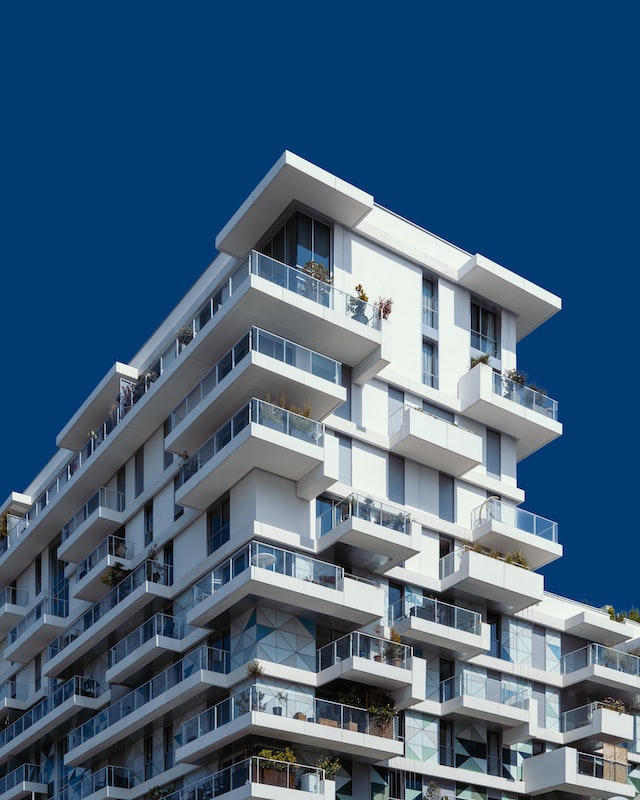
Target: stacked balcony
(90, 572)
(436, 442)
(309, 721)
(35, 629)
(284, 576)
(13, 696)
(583, 774)
(448, 629)
(498, 702)
(500, 403)
(107, 783)
(599, 668)
(26, 780)
(368, 533)
(13, 607)
(99, 516)
(597, 722)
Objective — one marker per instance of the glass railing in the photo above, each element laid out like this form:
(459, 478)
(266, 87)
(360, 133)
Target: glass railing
(396, 419)
(103, 498)
(13, 597)
(525, 521)
(469, 684)
(578, 717)
(601, 656)
(603, 768)
(78, 685)
(12, 690)
(159, 625)
(412, 605)
(292, 704)
(363, 508)
(148, 571)
(111, 546)
(55, 606)
(272, 559)
(258, 340)
(16, 526)
(105, 778)
(206, 658)
(485, 344)
(524, 396)
(363, 645)
(262, 413)
(450, 563)
(24, 773)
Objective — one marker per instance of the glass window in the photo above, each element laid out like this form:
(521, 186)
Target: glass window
(484, 330)
(493, 452)
(178, 510)
(395, 488)
(218, 524)
(344, 410)
(302, 238)
(139, 472)
(436, 411)
(429, 365)
(344, 459)
(429, 314)
(148, 524)
(446, 503)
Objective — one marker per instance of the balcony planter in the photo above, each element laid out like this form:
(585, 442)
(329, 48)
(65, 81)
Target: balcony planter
(273, 767)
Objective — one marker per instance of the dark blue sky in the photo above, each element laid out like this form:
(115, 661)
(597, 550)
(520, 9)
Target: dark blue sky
(132, 131)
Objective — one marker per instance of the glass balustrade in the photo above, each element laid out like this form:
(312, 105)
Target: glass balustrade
(524, 396)
(364, 645)
(599, 655)
(515, 517)
(114, 546)
(159, 625)
(433, 610)
(363, 507)
(473, 685)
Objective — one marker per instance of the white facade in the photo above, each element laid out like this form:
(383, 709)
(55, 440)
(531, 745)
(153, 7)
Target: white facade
(289, 477)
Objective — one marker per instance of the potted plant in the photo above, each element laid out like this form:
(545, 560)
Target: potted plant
(255, 669)
(394, 650)
(383, 307)
(184, 335)
(154, 568)
(282, 698)
(382, 710)
(274, 766)
(517, 558)
(114, 574)
(483, 359)
(358, 305)
(352, 699)
(331, 766)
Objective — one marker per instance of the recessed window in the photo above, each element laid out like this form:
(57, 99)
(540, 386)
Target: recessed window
(429, 309)
(301, 239)
(218, 524)
(493, 452)
(484, 329)
(429, 364)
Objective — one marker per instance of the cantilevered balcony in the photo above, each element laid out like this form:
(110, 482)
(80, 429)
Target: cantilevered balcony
(104, 784)
(431, 440)
(13, 696)
(505, 528)
(363, 658)
(603, 669)
(13, 607)
(507, 587)
(150, 582)
(583, 774)
(26, 780)
(173, 688)
(500, 703)
(89, 583)
(259, 363)
(60, 705)
(367, 533)
(498, 402)
(99, 516)
(36, 628)
(453, 631)
(258, 436)
(308, 721)
(596, 625)
(284, 576)
(595, 723)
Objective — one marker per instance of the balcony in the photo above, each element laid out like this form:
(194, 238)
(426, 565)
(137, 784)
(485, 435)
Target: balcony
(506, 587)
(99, 516)
(596, 625)
(308, 721)
(603, 669)
(259, 436)
(61, 704)
(284, 576)
(499, 703)
(173, 688)
(496, 401)
(259, 363)
(503, 527)
(13, 607)
(453, 631)
(363, 658)
(37, 627)
(110, 782)
(13, 696)
(436, 442)
(89, 583)
(371, 535)
(21, 782)
(149, 582)
(595, 723)
(582, 774)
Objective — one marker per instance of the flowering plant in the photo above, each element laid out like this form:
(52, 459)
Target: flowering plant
(614, 703)
(384, 307)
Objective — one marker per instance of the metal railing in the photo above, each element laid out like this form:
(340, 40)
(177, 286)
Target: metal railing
(24, 773)
(55, 606)
(473, 685)
(494, 508)
(599, 655)
(374, 648)
(428, 608)
(102, 498)
(365, 508)
(105, 778)
(10, 596)
(159, 625)
(603, 768)
(579, 717)
(524, 396)
(12, 690)
(114, 546)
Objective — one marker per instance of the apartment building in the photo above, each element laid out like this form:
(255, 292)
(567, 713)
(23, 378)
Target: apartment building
(283, 552)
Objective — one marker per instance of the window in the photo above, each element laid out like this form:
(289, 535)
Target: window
(429, 364)
(168, 746)
(302, 238)
(168, 456)
(494, 751)
(344, 410)
(218, 524)
(429, 312)
(436, 411)
(139, 472)
(395, 479)
(344, 459)
(148, 757)
(121, 484)
(446, 743)
(446, 503)
(325, 519)
(493, 452)
(178, 511)
(37, 667)
(484, 330)
(495, 642)
(38, 571)
(148, 524)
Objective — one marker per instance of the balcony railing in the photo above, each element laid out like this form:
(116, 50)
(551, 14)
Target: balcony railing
(147, 571)
(103, 498)
(599, 655)
(412, 605)
(55, 606)
(525, 521)
(374, 648)
(297, 705)
(471, 685)
(24, 773)
(273, 559)
(268, 344)
(14, 597)
(363, 508)
(107, 777)
(78, 685)
(262, 413)
(111, 546)
(158, 625)
(524, 396)
(603, 768)
(16, 526)
(12, 690)
(578, 717)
